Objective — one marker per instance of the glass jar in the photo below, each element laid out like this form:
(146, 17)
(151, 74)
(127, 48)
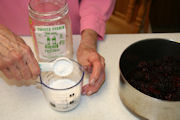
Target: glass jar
(50, 27)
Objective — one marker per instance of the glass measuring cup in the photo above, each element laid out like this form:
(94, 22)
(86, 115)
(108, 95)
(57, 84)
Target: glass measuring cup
(61, 82)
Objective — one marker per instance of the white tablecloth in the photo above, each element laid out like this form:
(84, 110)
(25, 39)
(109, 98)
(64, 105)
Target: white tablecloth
(20, 102)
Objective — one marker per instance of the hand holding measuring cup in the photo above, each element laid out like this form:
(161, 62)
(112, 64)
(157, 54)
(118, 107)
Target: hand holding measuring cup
(92, 61)
(61, 82)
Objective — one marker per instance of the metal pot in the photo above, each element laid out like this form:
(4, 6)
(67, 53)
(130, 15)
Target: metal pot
(140, 104)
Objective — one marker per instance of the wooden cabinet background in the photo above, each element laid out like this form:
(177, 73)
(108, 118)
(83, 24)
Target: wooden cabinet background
(129, 16)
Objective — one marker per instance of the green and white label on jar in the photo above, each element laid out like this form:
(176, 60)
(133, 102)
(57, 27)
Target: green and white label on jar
(51, 41)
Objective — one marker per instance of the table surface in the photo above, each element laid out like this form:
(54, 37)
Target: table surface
(19, 100)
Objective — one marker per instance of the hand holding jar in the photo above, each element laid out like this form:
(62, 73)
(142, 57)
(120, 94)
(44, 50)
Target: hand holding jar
(16, 58)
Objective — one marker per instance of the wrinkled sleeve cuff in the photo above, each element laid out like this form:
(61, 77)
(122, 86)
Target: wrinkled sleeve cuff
(95, 23)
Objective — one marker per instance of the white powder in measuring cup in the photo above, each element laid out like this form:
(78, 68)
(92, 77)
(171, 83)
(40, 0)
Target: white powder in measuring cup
(62, 84)
(66, 99)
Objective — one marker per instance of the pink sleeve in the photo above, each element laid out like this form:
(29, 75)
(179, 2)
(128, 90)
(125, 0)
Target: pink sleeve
(94, 14)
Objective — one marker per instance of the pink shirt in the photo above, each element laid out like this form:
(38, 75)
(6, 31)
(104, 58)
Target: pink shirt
(86, 14)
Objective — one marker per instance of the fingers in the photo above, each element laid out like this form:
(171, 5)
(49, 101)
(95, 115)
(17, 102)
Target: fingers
(98, 66)
(96, 70)
(14, 66)
(15, 72)
(21, 66)
(24, 70)
(17, 67)
(91, 89)
(88, 69)
(30, 60)
(97, 76)
(11, 71)
(17, 60)
(7, 73)
(2, 63)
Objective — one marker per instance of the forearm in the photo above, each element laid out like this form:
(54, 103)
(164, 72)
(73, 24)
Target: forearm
(94, 15)
(89, 38)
